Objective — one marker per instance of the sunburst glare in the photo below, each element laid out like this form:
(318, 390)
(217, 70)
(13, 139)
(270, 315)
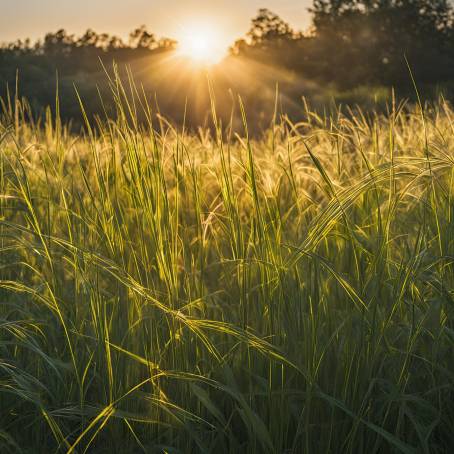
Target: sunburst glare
(202, 43)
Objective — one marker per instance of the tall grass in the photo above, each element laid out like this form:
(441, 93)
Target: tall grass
(163, 291)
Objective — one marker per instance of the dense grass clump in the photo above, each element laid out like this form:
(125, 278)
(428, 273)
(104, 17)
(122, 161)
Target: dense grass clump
(171, 292)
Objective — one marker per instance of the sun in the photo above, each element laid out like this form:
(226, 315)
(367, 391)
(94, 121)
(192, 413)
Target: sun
(201, 43)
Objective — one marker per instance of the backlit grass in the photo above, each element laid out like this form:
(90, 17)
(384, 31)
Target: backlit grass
(163, 291)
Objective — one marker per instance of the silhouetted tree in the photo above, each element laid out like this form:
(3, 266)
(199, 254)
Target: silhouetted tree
(269, 37)
(268, 26)
(77, 60)
(356, 42)
(372, 36)
(58, 44)
(115, 43)
(140, 38)
(350, 43)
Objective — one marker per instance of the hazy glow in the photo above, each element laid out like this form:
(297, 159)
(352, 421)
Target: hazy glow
(119, 17)
(202, 43)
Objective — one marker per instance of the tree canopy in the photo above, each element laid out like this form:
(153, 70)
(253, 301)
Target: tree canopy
(350, 43)
(360, 41)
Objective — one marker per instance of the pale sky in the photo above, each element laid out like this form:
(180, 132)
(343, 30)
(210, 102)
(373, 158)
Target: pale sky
(33, 18)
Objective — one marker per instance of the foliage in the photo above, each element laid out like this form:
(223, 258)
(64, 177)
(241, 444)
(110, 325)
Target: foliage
(267, 27)
(351, 44)
(355, 42)
(71, 54)
(167, 292)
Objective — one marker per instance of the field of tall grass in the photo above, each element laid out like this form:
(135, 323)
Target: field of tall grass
(165, 291)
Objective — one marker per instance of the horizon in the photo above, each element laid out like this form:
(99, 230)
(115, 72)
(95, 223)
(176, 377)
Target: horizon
(165, 19)
(236, 239)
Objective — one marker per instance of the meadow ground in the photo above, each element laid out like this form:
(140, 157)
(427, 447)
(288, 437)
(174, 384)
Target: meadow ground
(165, 291)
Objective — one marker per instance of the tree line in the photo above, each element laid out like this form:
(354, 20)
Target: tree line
(71, 53)
(350, 43)
(360, 42)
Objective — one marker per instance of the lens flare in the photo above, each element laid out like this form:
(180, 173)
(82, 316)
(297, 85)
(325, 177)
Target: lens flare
(201, 43)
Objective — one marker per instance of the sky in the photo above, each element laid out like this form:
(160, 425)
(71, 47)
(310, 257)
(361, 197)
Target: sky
(170, 18)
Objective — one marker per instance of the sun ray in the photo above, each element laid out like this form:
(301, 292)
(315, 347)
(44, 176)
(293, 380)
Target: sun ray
(202, 43)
